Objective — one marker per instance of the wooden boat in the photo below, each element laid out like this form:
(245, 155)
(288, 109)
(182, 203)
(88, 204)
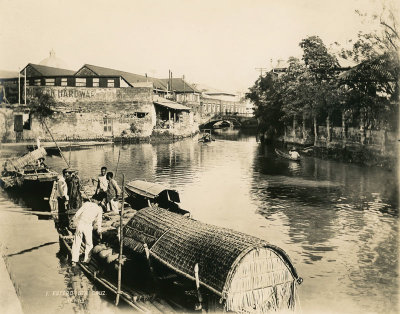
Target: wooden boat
(206, 137)
(103, 267)
(172, 263)
(53, 150)
(286, 155)
(142, 194)
(26, 172)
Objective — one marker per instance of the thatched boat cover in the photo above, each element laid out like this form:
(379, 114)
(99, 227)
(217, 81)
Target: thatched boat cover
(151, 190)
(247, 272)
(17, 164)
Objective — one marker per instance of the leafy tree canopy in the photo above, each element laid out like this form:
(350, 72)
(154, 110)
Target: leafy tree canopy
(41, 104)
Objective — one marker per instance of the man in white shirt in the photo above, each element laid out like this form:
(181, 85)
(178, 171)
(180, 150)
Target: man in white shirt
(84, 218)
(294, 154)
(62, 192)
(102, 185)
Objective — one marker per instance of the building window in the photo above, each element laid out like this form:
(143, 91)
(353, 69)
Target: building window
(37, 82)
(141, 114)
(64, 82)
(107, 125)
(49, 82)
(96, 82)
(80, 82)
(110, 83)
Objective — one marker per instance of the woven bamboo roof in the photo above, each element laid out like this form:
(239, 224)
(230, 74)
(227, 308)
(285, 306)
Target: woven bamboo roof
(17, 164)
(230, 263)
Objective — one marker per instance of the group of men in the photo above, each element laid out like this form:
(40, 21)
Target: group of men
(70, 199)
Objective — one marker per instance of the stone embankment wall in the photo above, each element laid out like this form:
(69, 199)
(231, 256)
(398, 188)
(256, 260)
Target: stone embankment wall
(81, 113)
(6, 124)
(85, 113)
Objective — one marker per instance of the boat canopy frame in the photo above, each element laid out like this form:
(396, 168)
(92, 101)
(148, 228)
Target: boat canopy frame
(151, 190)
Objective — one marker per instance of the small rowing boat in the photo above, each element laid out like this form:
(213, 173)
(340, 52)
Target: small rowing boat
(286, 155)
(206, 137)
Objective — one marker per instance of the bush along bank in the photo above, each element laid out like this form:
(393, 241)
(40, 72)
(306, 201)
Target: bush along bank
(359, 155)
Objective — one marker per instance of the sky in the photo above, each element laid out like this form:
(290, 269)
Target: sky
(213, 42)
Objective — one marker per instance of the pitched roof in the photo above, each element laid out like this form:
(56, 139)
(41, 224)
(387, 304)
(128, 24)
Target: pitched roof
(179, 85)
(49, 71)
(131, 78)
(169, 104)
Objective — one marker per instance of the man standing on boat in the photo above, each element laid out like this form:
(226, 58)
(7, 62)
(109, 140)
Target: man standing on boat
(85, 217)
(113, 191)
(74, 187)
(102, 185)
(62, 192)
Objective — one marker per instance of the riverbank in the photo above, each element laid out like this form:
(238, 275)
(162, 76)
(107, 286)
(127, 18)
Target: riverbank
(9, 301)
(156, 137)
(361, 156)
(355, 153)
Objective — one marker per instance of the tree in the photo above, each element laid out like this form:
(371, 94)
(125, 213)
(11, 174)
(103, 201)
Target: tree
(267, 99)
(41, 104)
(373, 85)
(311, 87)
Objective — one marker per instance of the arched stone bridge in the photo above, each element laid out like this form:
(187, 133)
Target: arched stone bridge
(231, 119)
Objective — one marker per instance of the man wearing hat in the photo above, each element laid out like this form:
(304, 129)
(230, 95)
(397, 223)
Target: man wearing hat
(293, 153)
(90, 213)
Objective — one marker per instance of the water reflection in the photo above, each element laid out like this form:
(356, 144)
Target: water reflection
(338, 222)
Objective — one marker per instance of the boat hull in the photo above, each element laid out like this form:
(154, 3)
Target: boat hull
(286, 156)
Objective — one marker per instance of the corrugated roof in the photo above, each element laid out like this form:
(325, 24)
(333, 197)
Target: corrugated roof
(8, 74)
(180, 86)
(169, 104)
(211, 90)
(131, 78)
(49, 71)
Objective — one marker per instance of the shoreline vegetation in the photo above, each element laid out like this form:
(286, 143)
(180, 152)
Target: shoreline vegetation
(347, 113)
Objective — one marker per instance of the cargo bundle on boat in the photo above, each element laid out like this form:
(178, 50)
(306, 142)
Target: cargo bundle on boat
(28, 171)
(244, 273)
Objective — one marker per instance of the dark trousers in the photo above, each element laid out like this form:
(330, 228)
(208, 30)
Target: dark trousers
(62, 212)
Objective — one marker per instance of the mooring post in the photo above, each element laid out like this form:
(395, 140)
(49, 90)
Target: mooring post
(198, 306)
(121, 241)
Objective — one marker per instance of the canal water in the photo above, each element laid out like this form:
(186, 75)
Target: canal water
(338, 222)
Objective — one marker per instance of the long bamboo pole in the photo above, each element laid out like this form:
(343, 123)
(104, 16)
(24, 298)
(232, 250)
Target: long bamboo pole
(116, 170)
(19, 87)
(69, 155)
(121, 239)
(25, 87)
(62, 155)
